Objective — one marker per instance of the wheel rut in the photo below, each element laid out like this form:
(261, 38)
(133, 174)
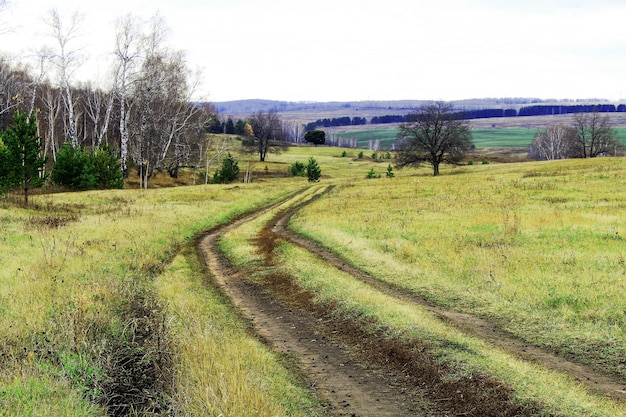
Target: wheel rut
(347, 387)
(598, 382)
(334, 356)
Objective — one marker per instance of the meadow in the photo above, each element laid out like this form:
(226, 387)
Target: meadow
(100, 288)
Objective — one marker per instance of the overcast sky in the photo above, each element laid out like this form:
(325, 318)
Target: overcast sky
(324, 50)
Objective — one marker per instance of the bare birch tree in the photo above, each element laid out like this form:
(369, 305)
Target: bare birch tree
(127, 39)
(553, 143)
(66, 60)
(165, 118)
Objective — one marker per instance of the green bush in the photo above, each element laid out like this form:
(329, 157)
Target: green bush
(80, 170)
(73, 169)
(297, 169)
(372, 174)
(106, 168)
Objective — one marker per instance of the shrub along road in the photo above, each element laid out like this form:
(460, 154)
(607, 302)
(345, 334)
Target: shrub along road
(359, 374)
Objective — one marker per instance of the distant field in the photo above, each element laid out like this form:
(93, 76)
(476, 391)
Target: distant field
(483, 138)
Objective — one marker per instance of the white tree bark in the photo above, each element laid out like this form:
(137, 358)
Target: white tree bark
(127, 55)
(66, 60)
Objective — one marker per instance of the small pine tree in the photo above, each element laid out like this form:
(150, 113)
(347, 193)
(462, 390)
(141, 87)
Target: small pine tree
(228, 172)
(73, 169)
(371, 174)
(106, 168)
(390, 173)
(4, 158)
(313, 171)
(22, 163)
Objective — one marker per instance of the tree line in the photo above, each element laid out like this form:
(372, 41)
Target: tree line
(535, 110)
(144, 114)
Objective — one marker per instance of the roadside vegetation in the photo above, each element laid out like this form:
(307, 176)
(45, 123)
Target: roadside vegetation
(85, 330)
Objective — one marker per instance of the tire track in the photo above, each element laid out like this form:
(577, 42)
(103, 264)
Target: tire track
(595, 381)
(349, 387)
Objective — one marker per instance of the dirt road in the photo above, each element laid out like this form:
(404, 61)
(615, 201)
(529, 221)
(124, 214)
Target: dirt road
(360, 375)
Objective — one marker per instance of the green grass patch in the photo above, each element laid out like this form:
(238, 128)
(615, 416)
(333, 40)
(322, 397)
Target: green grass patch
(465, 356)
(75, 287)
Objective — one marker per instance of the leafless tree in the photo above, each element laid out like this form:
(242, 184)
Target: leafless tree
(555, 142)
(51, 109)
(98, 105)
(268, 133)
(434, 134)
(13, 89)
(166, 117)
(66, 60)
(127, 39)
(594, 135)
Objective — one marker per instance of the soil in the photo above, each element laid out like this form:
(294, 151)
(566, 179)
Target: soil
(360, 374)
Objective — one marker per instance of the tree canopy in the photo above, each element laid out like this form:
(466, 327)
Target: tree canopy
(434, 134)
(317, 137)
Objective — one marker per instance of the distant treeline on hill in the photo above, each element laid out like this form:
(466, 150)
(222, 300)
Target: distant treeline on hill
(536, 110)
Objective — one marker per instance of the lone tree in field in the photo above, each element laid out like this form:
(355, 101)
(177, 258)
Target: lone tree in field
(317, 137)
(434, 133)
(594, 136)
(268, 132)
(22, 163)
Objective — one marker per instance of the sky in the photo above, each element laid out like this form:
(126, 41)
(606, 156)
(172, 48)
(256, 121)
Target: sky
(355, 50)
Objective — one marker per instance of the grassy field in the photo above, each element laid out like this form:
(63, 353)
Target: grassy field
(102, 296)
(484, 137)
(537, 247)
(442, 240)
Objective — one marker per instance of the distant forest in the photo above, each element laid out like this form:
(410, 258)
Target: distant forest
(535, 110)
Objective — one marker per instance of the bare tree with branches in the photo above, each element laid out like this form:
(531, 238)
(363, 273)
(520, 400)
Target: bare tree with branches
(434, 134)
(66, 60)
(555, 142)
(594, 135)
(268, 133)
